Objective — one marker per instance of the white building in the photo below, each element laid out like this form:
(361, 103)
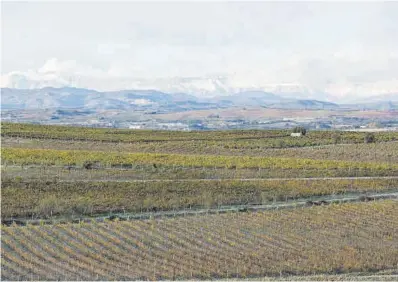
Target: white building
(298, 134)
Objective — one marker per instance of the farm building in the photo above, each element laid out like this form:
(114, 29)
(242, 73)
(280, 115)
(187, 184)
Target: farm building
(296, 134)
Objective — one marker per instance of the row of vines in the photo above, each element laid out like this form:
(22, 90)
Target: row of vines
(73, 157)
(321, 240)
(39, 199)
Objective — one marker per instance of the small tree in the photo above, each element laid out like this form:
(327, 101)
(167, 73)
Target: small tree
(300, 129)
(370, 138)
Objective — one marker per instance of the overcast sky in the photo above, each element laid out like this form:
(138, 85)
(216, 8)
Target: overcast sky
(333, 47)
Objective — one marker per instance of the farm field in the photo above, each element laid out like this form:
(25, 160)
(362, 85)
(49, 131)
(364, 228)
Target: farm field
(390, 275)
(149, 173)
(112, 204)
(47, 157)
(45, 199)
(343, 238)
(374, 152)
(270, 138)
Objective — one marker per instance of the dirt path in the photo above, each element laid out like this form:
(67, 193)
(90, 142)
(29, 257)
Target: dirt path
(236, 179)
(121, 179)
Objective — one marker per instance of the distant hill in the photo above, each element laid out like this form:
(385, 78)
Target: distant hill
(76, 98)
(69, 98)
(306, 104)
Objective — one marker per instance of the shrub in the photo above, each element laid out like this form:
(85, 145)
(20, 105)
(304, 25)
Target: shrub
(370, 138)
(92, 164)
(88, 165)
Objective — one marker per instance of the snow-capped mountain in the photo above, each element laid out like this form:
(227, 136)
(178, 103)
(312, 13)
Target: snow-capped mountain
(46, 89)
(207, 86)
(69, 97)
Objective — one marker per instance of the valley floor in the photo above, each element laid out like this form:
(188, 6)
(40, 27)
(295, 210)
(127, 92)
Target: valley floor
(108, 204)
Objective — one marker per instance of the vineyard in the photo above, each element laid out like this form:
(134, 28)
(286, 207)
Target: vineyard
(266, 147)
(124, 135)
(69, 157)
(45, 199)
(231, 138)
(358, 237)
(115, 204)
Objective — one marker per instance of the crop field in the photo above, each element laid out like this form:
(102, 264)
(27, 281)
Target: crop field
(38, 199)
(146, 136)
(108, 159)
(358, 237)
(374, 152)
(115, 204)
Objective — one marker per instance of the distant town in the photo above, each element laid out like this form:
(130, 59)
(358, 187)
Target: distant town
(212, 122)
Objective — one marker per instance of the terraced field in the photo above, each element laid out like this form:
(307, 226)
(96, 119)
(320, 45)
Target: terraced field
(358, 237)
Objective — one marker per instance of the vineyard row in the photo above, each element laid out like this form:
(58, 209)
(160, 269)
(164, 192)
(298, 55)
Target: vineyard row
(359, 237)
(72, 157)
(39, 199)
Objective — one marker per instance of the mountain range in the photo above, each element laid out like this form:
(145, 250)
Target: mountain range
(70, 97)
(203, 86)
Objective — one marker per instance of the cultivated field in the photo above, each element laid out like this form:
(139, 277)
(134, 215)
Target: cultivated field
(109, 204)
(373, 152)
(359, 237)
(39, 199)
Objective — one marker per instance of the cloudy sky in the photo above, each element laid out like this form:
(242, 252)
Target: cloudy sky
(337, 48)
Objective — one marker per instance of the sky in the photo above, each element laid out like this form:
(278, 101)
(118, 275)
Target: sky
(338, 48)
